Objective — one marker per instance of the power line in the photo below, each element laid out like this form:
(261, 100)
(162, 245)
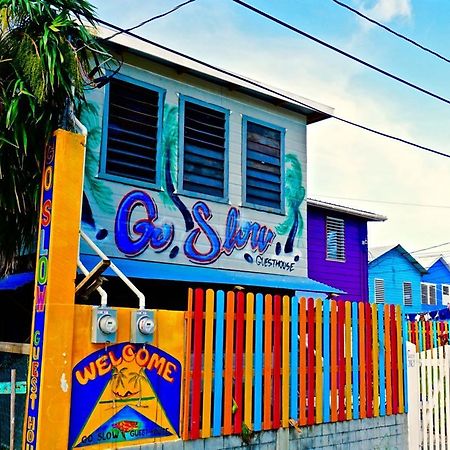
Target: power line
(429, 248)
(390, 30)
(420, 205)
(151, 19)
(273, 91)
(342, 52)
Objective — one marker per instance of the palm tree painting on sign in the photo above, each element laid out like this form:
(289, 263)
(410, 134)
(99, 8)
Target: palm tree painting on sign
(295, 194)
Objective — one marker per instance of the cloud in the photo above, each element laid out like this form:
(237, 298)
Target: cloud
(387, 10)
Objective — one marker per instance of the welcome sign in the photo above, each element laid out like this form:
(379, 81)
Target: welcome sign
(126, 392)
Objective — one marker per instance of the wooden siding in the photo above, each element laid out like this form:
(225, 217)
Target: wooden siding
(438, 274)
(395, 269)
(349, 275)
(175, 85)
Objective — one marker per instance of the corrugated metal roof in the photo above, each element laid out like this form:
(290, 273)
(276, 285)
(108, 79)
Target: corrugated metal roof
(313, 111)
(346, 210)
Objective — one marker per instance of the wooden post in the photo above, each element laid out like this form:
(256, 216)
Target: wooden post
(12, 410)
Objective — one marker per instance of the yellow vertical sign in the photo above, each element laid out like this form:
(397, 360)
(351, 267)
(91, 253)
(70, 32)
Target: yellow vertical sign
(46, 422)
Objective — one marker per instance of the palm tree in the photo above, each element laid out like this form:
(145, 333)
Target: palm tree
(45, 59)
(295, 194)
(137, 378)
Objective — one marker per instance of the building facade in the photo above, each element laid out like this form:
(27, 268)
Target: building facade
(437, 281)
(395, 277)
(337, 247)
(193, 175)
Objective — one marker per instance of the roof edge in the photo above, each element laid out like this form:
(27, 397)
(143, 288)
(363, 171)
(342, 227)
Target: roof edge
(373, 217)
(314, 111)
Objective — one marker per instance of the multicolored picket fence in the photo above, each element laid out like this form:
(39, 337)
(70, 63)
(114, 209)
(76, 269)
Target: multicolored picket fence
(268, 361)
(428, 334)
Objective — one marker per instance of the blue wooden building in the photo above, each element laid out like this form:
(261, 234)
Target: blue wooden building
(395, 277)
(437, 280)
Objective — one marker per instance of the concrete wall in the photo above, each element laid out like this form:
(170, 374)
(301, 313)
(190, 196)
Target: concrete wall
(380, 433)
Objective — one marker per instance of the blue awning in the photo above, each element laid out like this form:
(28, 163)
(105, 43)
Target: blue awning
(15, 281)
(160, 271)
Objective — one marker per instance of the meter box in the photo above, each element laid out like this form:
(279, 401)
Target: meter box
(104, 325)
(142, 326)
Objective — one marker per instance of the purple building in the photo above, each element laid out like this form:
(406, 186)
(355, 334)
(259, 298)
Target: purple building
(337, 247)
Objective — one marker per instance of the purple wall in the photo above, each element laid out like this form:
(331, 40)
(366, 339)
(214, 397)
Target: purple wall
(351, 275)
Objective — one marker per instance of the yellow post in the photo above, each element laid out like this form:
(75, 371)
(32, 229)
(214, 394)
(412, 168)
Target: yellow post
(46, 423)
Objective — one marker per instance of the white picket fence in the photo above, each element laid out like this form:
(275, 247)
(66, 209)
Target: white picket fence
(429, 398)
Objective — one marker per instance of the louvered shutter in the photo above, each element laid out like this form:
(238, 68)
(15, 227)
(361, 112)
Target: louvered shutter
(204, 150)
(263, 166)
(379, 290)
(133, 117)
(335, 239)
(407, 293)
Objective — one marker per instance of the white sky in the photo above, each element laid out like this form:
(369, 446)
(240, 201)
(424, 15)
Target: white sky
(346, 165)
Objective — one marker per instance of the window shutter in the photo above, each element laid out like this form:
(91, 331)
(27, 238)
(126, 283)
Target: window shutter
(204, 150)
(424, 293)
(379, 290)
(407, 293)
(263, 170)
(335, 236)
(432, 293)
(132, 131)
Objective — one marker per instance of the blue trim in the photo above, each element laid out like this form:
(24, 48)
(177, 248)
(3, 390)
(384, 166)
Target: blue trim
(182, 101)
(16, 281)
(355, 361)
(218, 364)
(381, 363)
(294, 360)
(175, 272)
(326, 362)
(104, 144)
(281, 210)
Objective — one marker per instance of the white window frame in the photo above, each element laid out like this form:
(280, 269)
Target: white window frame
(429, 287)
(337, 226)
(407, 302)
(376, 290)
(445, 295)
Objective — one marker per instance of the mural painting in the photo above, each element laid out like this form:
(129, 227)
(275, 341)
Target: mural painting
(126, 392)
(162, 226)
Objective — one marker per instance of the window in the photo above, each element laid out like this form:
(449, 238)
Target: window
(379, 290)
(445, 294)
(335, 236)
(428, 292)
(133, 113)
(263, 146)
(204, 140)
(407, 293)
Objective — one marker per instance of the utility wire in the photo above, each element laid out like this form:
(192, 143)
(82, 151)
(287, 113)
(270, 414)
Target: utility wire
(420, 205)
(429, 248)
(151, 19)
(390, 30)
(342, 52)
(272, 91)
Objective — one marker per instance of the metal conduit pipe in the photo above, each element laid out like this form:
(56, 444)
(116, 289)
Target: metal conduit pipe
(115, 269)
(103, 294)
